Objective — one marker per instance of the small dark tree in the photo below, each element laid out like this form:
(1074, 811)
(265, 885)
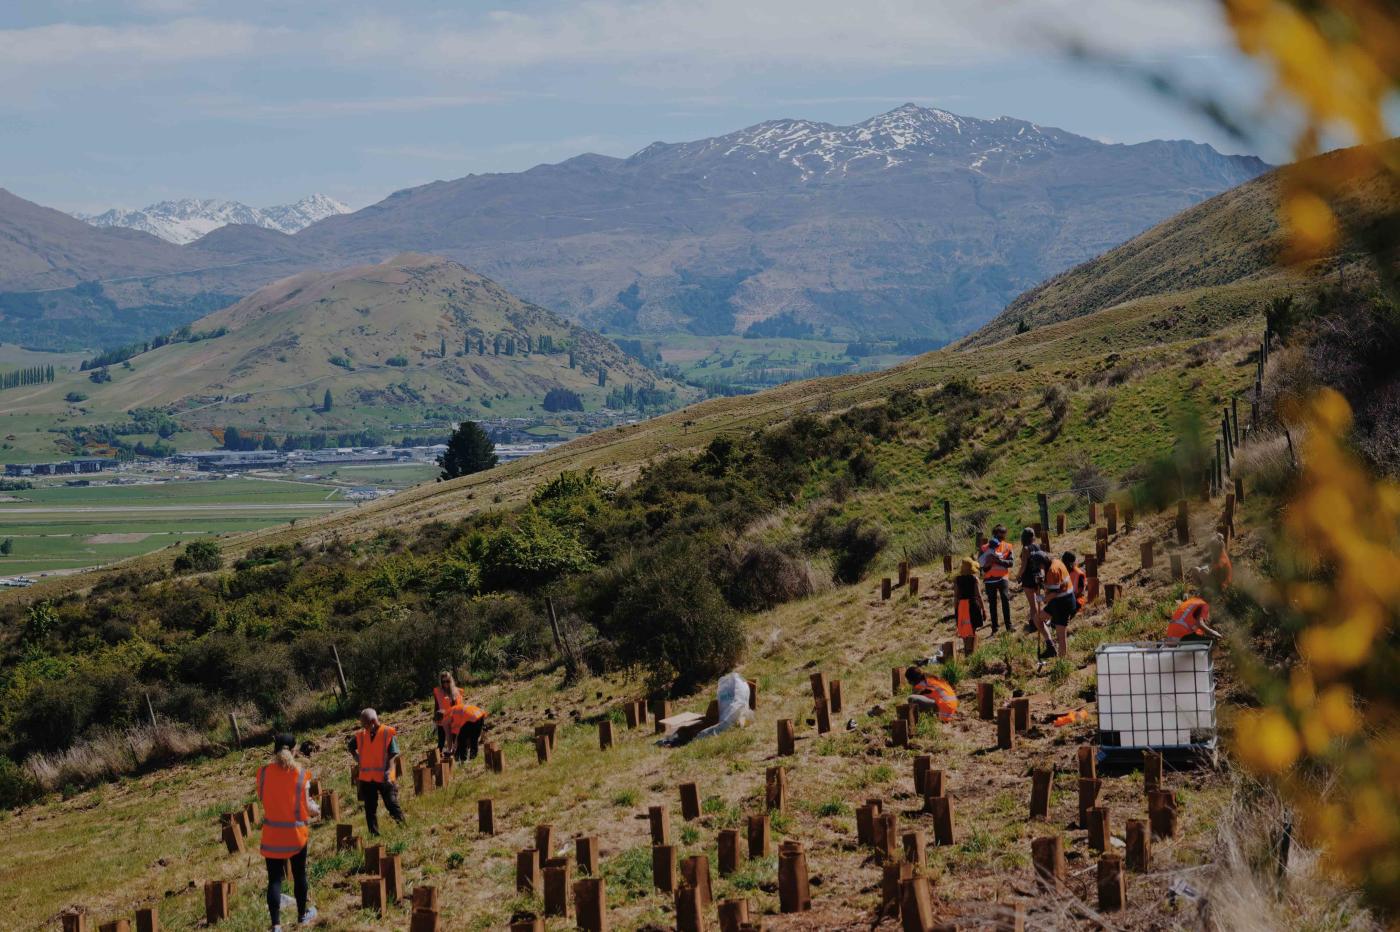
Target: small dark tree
(231, 438)
(602, 377)
(7, 547)
(442, 347)
(469, 450)
(326, 401)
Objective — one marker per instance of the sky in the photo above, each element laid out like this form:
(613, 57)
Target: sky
(109, 103)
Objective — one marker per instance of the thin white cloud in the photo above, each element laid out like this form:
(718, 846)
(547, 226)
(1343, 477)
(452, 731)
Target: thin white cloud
(320, 107)
(174, 41)
(682, 35)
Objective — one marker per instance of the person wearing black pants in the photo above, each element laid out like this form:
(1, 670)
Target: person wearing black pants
(468, 739)
(371, 794)
(464, 724)
(996, 560)
(276, 872)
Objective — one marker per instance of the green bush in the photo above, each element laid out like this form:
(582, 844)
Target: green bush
(530, 553)
(16, 786)
(673, 620)
(854, 545)
(200, 556)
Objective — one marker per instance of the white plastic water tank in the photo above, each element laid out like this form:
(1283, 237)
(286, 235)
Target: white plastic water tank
(1156, 694)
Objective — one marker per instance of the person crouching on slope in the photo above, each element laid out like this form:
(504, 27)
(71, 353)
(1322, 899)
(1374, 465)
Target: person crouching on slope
(464, 723)
(374, 747)
(967, 600)
(1189, 619)
(996, 560)
(932, 692)
(445, 696)
(284, 792)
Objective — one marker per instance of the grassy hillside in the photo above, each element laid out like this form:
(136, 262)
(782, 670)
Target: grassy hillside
(1229, 242)
(1074, 406)
(411, 340)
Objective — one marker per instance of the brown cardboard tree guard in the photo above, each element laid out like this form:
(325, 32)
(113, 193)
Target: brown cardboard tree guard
(733, 914)
(731, 855)
(527, 870)
(942, 820)
(660, 820)
(486, 816)
(1139, 839)
(586, 853)
(1088, 761)
(916, 905)
(690, 801)
(591, 904)
(544, 841)
(1006, 729)
(986, 699)
(663, 868)
(787, 741)
(794, 894)
(1112, 890)
(775, 789)
(759, 836)
(1048, 857)
(696, 872)
(372, 895)
(1040, 793)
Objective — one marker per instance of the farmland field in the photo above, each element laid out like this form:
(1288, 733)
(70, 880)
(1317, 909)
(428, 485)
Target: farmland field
(53, 528)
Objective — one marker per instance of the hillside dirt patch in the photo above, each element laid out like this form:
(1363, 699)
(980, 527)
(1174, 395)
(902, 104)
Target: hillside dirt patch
(130, 538)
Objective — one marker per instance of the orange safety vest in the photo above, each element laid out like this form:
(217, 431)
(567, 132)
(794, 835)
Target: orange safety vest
(1080, 581)
(999, 566)
(1188, 618)
(282, 793)
(1057, 581)
(459, 715)
(941, 693)
(444, 701)
(372, 754)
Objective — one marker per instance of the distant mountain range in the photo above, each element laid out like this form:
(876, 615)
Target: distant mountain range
(187, 219)
(916, 222)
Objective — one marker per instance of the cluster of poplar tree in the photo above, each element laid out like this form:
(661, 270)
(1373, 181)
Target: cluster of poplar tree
(33, 375)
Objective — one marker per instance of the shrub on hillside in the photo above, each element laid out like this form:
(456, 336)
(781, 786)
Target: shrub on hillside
(17, 787)
(854, 545)
(532, 552)
(978, 461)
(398, 658)
(761, 575)
(670, 618)
(200, 556)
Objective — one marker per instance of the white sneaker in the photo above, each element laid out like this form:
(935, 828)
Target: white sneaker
(310, 916)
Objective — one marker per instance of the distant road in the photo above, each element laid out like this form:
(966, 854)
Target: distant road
(128, 509)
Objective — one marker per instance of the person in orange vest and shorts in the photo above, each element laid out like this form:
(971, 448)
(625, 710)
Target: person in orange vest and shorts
(445, 696)
(464, 723)
(283, 790)
(374, 748)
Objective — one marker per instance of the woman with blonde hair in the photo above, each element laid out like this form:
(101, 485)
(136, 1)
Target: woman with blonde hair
(968, 609)
(283, 790)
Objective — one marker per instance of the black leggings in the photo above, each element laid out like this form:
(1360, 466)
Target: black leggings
(468, 739)
(995, 589)
(276, 870)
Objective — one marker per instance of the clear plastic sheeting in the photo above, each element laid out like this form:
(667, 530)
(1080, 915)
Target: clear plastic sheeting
(733, 696)
(1156, 695)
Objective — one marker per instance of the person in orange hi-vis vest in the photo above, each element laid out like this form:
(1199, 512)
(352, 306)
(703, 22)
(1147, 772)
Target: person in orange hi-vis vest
(445, 696)
(283, 790)
(996, 560)
(1029, 572)
(1190, 621)
(374, 748)
(1221, 572)
(933, 692)
(464, 723)
(967, 599)
(1060, 602)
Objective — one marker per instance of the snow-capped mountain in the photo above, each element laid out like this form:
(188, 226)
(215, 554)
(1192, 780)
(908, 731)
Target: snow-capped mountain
(905, 135)
(187, 219)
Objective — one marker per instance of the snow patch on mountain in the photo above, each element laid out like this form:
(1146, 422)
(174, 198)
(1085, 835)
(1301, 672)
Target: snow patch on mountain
(187, 219)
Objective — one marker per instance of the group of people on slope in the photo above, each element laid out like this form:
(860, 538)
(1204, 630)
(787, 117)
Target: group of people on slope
(1056, 589)
(283, 788)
